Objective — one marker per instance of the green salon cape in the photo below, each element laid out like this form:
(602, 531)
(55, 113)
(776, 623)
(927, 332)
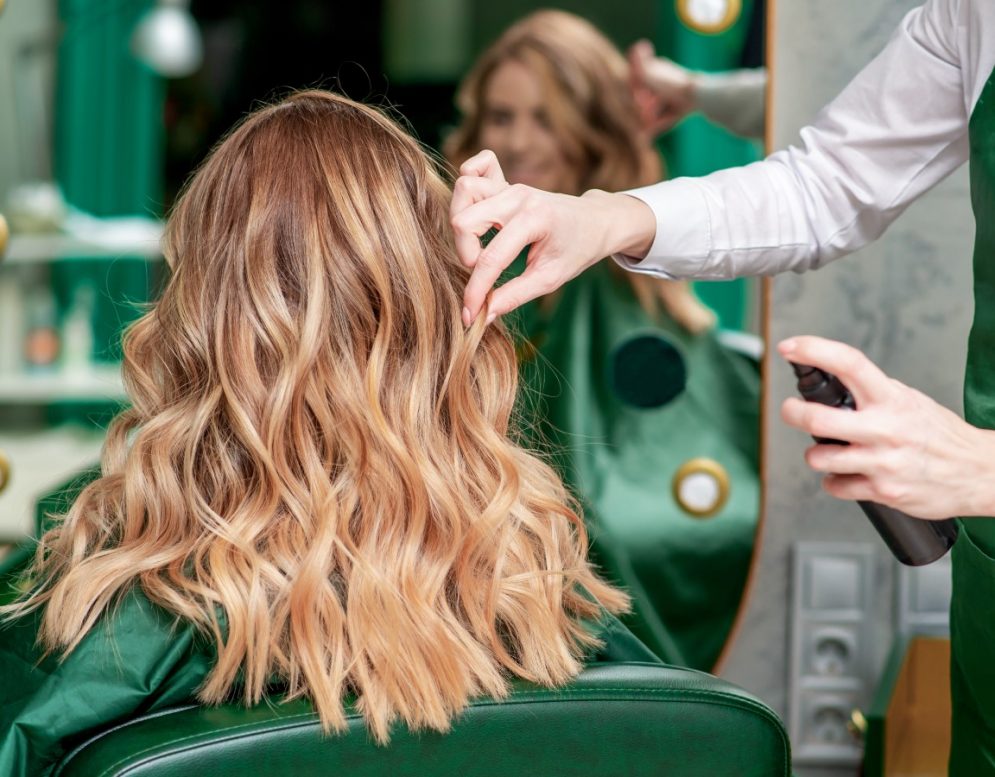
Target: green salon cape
(972, 620)
(593, 366)
(137, 660)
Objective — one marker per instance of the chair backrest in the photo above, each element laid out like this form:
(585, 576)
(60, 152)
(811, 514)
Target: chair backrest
(632, 719)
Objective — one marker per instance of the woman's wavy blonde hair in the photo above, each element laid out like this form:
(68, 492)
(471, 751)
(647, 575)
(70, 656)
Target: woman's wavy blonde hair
(316, 468)
(585, 81)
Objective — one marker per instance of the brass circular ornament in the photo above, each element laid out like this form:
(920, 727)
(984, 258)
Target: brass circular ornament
(4, 471)
(1, 5)
(4, 230)
(701, 487)
(709, 16)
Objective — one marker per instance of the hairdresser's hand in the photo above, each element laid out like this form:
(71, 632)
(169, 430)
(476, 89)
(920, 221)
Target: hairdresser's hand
(566, 234)
(906, 451)
(663, 90)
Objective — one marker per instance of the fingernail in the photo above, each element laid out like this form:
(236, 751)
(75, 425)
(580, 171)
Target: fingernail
(787, 346)
(491, 318)
(466, 317)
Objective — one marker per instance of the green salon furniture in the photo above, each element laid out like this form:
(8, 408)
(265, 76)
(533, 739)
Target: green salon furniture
(636, 719)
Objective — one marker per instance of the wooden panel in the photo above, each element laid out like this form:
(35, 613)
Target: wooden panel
(917, 733)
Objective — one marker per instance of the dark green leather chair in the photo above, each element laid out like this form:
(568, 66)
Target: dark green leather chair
(633, 719)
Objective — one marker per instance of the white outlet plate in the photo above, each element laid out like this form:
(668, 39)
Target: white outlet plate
(832, 606)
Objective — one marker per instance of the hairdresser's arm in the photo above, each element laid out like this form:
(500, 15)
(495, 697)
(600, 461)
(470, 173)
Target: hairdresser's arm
(736, 100)
(872, 151)
(906, 451)
(665, 93)
(566, 234)
(868, 155)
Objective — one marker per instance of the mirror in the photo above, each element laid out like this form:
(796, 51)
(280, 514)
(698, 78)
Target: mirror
(649, 411)
(643, 392)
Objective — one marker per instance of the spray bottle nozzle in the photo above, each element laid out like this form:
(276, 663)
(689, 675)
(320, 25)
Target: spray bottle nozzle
(801, 370)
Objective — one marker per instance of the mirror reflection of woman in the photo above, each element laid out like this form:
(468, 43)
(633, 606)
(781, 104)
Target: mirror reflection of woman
(551, 98)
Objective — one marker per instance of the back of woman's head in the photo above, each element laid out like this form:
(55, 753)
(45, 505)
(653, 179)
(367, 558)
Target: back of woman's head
(315, 468)
(589, 105)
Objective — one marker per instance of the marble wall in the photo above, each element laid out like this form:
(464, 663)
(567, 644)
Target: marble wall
(905, 301)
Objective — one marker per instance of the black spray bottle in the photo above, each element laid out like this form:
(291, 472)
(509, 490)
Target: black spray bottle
(913, 541)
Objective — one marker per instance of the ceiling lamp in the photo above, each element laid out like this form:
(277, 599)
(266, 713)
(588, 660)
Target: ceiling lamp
(168, 41)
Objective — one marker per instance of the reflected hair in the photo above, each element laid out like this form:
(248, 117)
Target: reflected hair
(585, 81)
(316, 467)
(590, 106)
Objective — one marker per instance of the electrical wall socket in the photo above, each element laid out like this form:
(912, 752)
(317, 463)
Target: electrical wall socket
(831, 652)
(830, 649)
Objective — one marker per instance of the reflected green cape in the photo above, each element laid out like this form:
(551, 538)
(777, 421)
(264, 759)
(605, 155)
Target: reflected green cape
(581, 401)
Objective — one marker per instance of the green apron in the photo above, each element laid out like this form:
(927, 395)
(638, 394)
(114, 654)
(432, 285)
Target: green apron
(592, 405)
(972, 620)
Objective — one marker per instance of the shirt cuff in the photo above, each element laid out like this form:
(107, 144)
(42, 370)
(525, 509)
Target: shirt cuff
(683, 233)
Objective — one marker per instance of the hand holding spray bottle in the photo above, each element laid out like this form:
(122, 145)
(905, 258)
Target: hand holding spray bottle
(913, 541)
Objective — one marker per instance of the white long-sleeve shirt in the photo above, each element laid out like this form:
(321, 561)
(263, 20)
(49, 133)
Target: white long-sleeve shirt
(895, 131)
(734, 99)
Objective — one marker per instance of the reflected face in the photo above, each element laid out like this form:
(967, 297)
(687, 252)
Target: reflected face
(516, 126)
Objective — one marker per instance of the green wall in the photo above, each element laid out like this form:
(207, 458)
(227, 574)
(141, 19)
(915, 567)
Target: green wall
(108, 154)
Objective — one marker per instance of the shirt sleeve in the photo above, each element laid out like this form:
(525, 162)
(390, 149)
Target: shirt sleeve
(734, 100)
(895, 131)
(135, 660)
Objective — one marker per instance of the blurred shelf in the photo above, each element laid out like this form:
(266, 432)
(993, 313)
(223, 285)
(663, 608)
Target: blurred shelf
(102, 383)
(29, 249)
(40, 461)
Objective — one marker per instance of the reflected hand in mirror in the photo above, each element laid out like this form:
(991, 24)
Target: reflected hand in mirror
(663, 90)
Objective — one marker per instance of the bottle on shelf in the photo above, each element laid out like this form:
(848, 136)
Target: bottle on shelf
(77, 332)
(41, 337)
